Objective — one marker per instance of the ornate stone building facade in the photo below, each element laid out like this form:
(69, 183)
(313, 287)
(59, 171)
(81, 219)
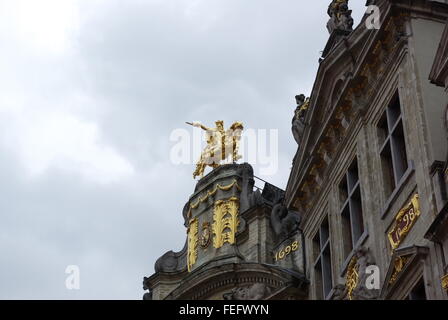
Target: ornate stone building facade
(241, 244)
(367, 194)
(369, 174)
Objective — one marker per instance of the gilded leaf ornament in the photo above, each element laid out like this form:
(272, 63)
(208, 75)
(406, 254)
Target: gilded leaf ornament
(225, 221)
(193, 241)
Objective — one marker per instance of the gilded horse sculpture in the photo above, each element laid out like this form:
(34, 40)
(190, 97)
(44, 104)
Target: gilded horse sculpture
(221, 144)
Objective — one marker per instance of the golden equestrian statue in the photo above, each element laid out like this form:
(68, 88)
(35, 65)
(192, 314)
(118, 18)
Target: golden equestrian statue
(221, 144)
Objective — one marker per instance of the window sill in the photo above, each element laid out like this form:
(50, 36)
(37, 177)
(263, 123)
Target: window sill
(403, 181)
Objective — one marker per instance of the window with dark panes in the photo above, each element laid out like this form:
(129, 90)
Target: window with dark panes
(351, 209)
(394, 159)
(322, 261)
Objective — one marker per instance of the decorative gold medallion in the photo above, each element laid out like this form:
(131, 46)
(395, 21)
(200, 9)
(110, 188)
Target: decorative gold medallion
(193, 241)
(206, 235)
(404, 221)
(225, 221)
(352, 277)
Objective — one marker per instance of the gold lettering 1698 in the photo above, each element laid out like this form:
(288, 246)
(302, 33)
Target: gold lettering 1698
(282, 254)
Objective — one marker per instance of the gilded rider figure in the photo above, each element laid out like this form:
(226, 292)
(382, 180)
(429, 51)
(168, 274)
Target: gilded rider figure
(220, 144)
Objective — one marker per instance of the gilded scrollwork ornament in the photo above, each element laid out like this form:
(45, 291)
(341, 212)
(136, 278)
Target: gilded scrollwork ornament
(399, 264)
(357, 278)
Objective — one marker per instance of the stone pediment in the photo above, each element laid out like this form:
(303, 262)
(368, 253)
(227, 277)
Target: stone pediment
(404, 261)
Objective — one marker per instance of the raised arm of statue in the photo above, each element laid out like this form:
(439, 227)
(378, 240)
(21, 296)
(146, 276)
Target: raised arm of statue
(197, 124)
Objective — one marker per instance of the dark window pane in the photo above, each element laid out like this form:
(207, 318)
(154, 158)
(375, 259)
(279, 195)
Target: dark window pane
(351, 214)
(346, 231)
(352, 176)
(316, 246)
(318, 281)
(419, 292)
(324, 233)
(326, 270)
(356, 216)
(383, 130)
(393, 112)
(388, 170)
(393, 148)
(343, 191)
(399, 152)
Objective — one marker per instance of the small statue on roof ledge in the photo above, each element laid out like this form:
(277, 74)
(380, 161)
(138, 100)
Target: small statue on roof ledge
(298, 122)
(340, 16)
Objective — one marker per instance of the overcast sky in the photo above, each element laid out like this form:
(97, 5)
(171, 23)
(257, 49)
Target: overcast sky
(90, 92)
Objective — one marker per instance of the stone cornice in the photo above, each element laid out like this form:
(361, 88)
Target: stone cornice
(223, 277)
